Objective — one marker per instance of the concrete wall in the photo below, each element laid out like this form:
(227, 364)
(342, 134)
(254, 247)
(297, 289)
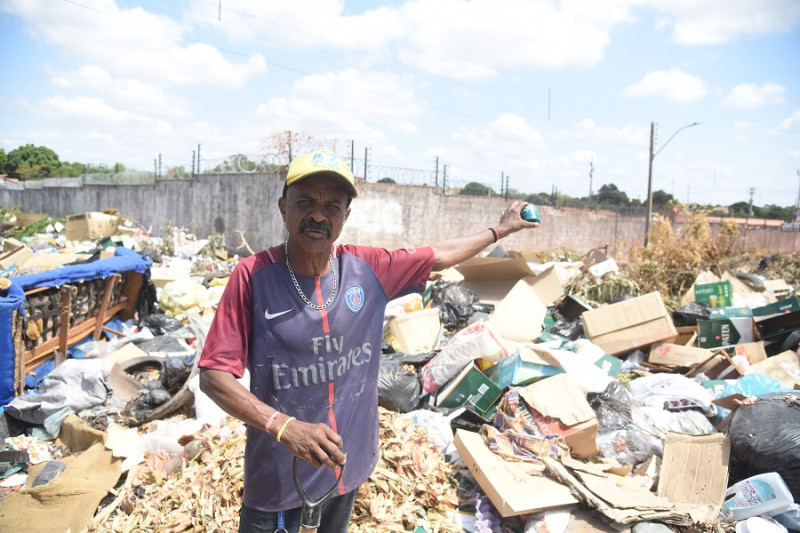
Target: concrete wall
(383, 214)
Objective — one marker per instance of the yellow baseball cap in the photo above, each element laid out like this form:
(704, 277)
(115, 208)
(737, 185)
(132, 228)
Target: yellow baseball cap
(321, 161)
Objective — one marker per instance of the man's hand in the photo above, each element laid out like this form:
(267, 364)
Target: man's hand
(316, 444)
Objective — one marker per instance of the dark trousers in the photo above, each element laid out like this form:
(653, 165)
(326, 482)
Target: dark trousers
(335, 517)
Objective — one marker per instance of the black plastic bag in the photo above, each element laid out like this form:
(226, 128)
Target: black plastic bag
(571, 329)
(452, 315)
(453, 293)
(398, 389)
(690, 314)
(765, 437)
(159, 323)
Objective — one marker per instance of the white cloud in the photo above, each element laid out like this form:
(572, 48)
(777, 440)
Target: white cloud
(126, 93)
(346, 105)
(673, 85)
(132, 43)
(451, 38)
(743, 125)
(713, 22)
(588, 130)
(753, 96)
(791, 123)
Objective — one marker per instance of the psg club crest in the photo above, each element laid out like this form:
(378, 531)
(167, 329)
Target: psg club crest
(354, 298)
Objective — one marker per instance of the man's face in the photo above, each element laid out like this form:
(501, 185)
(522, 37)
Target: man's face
(314, 211)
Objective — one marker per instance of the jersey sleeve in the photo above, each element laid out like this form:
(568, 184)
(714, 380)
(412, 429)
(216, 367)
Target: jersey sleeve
(228, 341)
(400, 271)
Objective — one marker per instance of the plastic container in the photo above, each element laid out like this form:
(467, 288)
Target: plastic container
(760, 524)
(760, 495)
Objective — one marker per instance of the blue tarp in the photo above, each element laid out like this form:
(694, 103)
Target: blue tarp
(124, 260)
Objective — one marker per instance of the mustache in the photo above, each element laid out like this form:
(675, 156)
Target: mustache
(324, 226)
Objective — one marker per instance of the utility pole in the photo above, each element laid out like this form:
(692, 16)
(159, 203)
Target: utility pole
(650, 173)
(797, 203)
(436, 173)
(507, 186)
(752, 191)
(366, 156)
(352, 154)
(502, 182)
(198, 158)
(591, 173)
(444, 180)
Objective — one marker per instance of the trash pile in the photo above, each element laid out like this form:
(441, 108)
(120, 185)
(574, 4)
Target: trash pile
(516, 395)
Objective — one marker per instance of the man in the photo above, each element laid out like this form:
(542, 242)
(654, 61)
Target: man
(305, 318)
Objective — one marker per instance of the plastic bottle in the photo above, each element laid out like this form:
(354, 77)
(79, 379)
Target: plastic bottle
(763, 494)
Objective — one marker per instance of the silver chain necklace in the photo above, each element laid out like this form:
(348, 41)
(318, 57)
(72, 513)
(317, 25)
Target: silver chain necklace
(297, 285)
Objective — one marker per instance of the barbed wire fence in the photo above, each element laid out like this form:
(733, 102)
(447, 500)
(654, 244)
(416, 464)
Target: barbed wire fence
(362, 166)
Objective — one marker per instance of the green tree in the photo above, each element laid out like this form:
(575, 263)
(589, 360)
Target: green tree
(739, 209)
(387, 180)
(474, 188)
(31, 161)
(610, 194)
(661, 198)
(3, 160)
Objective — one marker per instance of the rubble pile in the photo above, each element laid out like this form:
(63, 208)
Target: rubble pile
(517, 394)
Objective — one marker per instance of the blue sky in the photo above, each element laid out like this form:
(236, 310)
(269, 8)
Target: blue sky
(537, 90)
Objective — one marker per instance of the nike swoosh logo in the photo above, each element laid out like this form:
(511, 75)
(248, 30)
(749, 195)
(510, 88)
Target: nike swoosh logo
(270, 316)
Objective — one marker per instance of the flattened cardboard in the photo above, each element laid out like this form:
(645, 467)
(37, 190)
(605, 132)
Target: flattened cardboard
(694, 473)
(16, 256)
(668, 354)
(784, 367)
(559, 406)
(511, 490)
(629, 324)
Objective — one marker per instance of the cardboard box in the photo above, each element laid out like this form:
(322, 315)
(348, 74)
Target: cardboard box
(778, 319)
(729, 312)
(558, 405)
(687, 335)
(694, 473)
(716, 294)
(470, 387)
(723, 332)
(624, 326)
(26, 219)
(718, 366)
(754, 351)
(519, 316)
(492, 278)
(519, 369)
(676, 355)
(15, 253)
(92, 225)
(414, 332)
(510, 487)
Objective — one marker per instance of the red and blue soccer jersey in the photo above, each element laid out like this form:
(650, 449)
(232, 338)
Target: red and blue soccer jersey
(318, 366)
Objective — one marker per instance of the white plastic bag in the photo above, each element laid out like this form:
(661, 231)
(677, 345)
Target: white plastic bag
(478, 340)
